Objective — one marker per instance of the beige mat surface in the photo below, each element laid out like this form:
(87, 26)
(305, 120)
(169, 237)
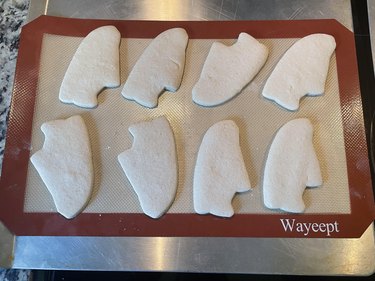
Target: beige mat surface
(258, 120)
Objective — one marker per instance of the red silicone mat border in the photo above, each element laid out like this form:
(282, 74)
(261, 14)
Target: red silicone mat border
(17, 151)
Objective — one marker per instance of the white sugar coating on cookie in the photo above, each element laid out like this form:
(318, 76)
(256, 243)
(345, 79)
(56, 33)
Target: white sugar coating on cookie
(301, 71)
(228, 69)
(151, 165)
(220, 170)
(291, 166)
(65, 164)
(159, 68)
(94, 66)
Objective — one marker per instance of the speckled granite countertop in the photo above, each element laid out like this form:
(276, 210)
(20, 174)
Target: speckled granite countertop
(12, 16)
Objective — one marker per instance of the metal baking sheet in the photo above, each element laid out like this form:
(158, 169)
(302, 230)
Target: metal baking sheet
(185, 223)
(273, 255)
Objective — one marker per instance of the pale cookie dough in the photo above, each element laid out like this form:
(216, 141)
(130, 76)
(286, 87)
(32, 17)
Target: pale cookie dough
(151, 165)
(159, 68)
(301, 71)
(65, 164)
(291, 165)
(95, 65)
(228, 69)
(220, 170)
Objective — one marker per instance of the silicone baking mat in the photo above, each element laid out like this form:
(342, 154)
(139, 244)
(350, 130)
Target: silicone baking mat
(114, 208)
(108, 125)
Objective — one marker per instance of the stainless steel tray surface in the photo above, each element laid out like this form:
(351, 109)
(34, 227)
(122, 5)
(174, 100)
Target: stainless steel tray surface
(229, 255)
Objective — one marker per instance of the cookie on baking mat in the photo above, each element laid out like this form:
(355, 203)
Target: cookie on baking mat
(228, 69)
(94, 66)
(65, 164)
(301, 71)
(151, 165)
(160, 67)
(220, 170)
(291, 165)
